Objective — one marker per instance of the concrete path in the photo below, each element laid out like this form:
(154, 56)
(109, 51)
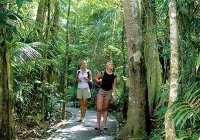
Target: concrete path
(85, 131)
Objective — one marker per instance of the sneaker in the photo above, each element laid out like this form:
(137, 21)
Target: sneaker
(105, 128)
(83, 120)
(80, 120)
(97, 128)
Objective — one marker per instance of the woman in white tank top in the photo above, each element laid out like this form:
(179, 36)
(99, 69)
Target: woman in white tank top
(83, 78)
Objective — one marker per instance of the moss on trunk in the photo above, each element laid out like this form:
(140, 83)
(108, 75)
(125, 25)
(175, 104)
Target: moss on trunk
(151, 55)
(136, 121)
(7, 128)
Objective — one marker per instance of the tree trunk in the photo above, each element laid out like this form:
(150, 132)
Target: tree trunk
(64, 77)
(125, 97)
(74, 35)
(41, 12)
(45, 70)
(56, 18)
(7, 126)
(113, 33)
(136, 122)
(174, 69)
(151, 55)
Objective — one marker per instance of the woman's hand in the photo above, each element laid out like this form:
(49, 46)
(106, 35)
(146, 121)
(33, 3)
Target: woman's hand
(100, 80)
(78, 80)
(86, 78)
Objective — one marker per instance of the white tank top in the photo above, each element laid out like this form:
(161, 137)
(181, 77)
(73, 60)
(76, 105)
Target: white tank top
(83, 83)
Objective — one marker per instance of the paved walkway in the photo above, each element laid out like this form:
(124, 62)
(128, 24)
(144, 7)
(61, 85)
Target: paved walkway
(85, 131)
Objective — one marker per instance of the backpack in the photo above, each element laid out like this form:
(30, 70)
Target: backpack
(90, 84)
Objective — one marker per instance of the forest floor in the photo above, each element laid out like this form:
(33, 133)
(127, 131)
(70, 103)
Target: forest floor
(73, 130)
(33, 129)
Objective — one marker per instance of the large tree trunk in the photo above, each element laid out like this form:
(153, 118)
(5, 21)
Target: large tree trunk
(136, 122)
(151, 55)
(7, 127)
(174, 69)
(125, 97)
(65, 68)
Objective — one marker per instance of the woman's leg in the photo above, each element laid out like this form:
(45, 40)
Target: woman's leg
(105, 111)
(99, 109)
(81, 108)
(84, 107)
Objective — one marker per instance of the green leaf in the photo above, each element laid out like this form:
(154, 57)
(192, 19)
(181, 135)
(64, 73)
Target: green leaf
(187, 96)
(186, 118)
(195, 99)
(1, 39)
(19, 3)
(4, 1)
(183, 10)
(183, 117)
(2, 26)
(180, 113)
(193, 95)
(14, 16)
(198, 62)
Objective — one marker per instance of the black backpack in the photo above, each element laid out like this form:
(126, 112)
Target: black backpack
(90, 84)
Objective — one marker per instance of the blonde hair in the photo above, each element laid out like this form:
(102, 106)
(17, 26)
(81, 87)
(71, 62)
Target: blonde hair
(83, 61)
(109, 62)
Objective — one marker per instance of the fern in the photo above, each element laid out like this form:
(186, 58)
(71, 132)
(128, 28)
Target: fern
(38, 119)
(187, 109)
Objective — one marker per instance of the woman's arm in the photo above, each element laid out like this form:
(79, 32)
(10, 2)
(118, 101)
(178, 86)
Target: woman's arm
(77, 79)
(98, 78)
(90, 78)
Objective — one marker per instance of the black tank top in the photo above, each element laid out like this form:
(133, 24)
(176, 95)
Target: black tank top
(107, 82)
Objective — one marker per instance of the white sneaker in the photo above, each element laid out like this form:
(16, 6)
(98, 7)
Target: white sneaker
(83, 120)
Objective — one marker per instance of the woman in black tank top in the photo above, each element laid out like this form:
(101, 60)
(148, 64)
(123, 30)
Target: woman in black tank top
(107, 81)
(108, 85)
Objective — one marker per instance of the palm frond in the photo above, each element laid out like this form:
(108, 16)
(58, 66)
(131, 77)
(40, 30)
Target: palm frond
(188, 107)
(26, 51)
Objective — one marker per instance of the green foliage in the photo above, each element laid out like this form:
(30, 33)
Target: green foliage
(38, 120)
(158, 131)
(94, 38)
(198, 63)
(19, 3)
(186, 110)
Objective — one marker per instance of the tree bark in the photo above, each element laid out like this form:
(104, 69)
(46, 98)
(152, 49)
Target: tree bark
(113, 33)
(125, 97)
(41, 11)
(151, 55)
(44, 97)
(65, 68)
(75, 28)
(7, 126)
(174, 72)
(136, 122)
(56, 18)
